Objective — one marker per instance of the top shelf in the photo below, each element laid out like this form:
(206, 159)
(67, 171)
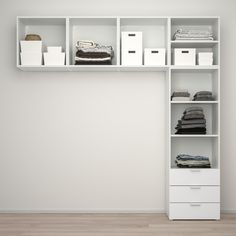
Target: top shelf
(65, 31)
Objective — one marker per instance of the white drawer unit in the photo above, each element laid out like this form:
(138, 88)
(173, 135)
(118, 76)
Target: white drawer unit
(190, 211)
(194, 194)
(131, 48)
(154, 56)
(185, 56)
(132, 57)
(132, 40)
(194, 177)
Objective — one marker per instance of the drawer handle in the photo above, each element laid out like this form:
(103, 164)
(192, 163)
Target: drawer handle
(155, 51)
(132, 35)
(185, 51)
(195, 204)
(195, 187)
(131, 51)
(195, 171)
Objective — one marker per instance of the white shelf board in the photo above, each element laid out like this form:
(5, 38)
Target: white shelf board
(193, 43)
(43, 68)
(194, 102)
(196, 68)
(194, 135)
(95, 68)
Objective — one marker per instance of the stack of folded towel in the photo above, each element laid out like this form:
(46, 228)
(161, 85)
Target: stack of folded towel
(188, 161)
(185, 34)
(192, 122)
(203, 96)
(180, 95)
(90, 53)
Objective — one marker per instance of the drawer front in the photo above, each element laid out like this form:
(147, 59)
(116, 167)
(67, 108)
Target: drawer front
(131, 57)
(131, 40)
(192, 211)
(194, 193)
(194, 177)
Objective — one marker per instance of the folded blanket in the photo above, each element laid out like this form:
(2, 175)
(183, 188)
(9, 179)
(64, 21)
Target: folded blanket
(203, 99)
(93, 63)
(193, 116)
(193, 108)
(92, 59)
(197, 121)
(185, 34)
(180, 94)
(190, 157)
(203, 93)
(188, 126)
(180, 98)
(97, 49)
(85, 44)
(80, 53)
(191, 131)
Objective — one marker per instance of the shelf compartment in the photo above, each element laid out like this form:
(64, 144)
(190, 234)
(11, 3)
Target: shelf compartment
(194, 81)
(210, 112)
(207, 146)
(99, 30)
(155, 30)
(211, 23)
(51, 30)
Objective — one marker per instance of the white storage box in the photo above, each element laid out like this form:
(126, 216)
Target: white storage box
(155, 56)
(54, 59)
(185, 56)
(54, 49)
(31, 58)
(205, 58)
(132, 57)
(31, 46)
(131, 48)
(132, 40)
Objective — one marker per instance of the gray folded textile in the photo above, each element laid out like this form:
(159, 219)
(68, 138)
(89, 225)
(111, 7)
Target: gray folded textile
(193, 109)
(197, 121)
(193, 116)
(193, 112)
(185, 34)
(203, 93)
(203, 99)
(180, 94)
(190, 157)
(180, 98)
(189, 126)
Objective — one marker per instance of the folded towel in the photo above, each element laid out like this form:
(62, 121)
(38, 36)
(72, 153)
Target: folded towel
(193, 116)
(190, 157)
(180, 94)
(85, 44)
(194, 108)
(197, 121)
(180, 98)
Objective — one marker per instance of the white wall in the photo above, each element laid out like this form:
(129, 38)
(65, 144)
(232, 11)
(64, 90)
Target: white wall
(94, 141)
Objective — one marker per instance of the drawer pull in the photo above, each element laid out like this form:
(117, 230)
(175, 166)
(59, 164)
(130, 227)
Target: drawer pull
(185, 51)
(132, 35)
(155, 51)
(195, 187)
(195, 171)
(195, 204)
(131, 51)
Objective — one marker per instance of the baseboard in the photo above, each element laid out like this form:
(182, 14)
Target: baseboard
(228, 211)
(84, 211)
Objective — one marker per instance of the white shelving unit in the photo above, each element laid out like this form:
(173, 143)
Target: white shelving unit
(190, 193)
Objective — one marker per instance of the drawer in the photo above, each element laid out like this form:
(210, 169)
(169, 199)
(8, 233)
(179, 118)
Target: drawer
(194, 193)
(192, 211)
(194, 177)
(131, 41)
(131, 57)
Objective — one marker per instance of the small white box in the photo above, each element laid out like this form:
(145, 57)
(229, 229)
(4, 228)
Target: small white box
(132, 57)
(185, 56)
(54, 59)
(54, 49)
(205, 58)
(155, 56)
(31, 58)
(31, 46)
(132, 40)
